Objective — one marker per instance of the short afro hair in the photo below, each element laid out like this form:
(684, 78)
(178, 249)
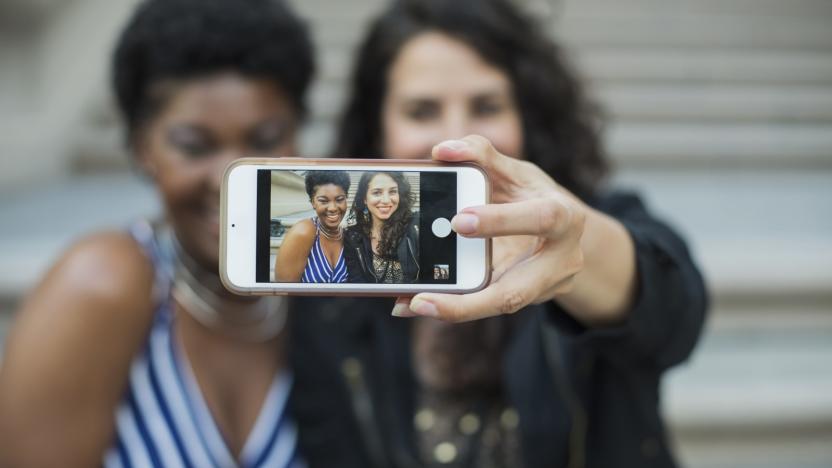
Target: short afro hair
(184, 39)
(315, 179)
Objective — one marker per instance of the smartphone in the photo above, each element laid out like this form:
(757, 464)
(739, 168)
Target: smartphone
(350, 227)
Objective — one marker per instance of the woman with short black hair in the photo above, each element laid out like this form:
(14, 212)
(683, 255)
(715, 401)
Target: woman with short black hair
(312, 250)
(130, 352)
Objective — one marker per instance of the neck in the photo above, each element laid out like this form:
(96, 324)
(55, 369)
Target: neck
(378, 225)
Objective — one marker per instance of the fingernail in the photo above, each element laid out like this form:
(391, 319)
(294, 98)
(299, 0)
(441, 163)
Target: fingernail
(454, 145)
(465, 223)
(423, 308)
(402, 309)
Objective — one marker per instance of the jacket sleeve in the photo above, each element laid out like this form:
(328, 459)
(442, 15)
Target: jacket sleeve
(669, 309)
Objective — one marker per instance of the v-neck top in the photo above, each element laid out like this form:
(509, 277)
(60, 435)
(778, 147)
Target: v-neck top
(163, 419)
(318, 269)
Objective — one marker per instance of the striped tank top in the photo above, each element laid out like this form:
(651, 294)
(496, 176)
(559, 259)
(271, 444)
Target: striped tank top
(163, 419)
(318, 269)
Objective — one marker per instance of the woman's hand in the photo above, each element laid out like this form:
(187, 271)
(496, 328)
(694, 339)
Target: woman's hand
(540, 237)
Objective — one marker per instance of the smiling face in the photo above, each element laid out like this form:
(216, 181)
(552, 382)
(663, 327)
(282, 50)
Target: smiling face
(330, 203)
(205, 124)
(382, 198)
(439, 89)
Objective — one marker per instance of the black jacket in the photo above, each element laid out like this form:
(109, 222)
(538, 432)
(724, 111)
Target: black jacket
(358, 255)
(585, 397)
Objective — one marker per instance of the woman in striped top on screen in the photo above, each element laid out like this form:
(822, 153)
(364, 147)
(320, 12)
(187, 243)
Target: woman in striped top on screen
(313, 249)
(130, 353)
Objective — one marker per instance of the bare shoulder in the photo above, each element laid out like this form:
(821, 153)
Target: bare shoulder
(304, 229)
(69, 351)
(105, 279)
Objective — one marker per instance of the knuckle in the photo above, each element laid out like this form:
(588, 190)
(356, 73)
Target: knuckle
(550, 215)
(512, 302)
(481, 145)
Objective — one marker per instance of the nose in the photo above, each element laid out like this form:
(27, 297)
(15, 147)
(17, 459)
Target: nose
(456, 123)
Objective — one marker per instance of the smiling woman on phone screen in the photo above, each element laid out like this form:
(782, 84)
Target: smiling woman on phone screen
(383, 244)
(313, 249)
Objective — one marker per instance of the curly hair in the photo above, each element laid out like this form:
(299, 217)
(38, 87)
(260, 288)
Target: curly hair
(560, 127)
(170, 40)
(314, 179)
(394, 228)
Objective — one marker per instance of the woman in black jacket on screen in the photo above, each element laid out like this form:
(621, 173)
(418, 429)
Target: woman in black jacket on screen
(591, 300)
(383, 244)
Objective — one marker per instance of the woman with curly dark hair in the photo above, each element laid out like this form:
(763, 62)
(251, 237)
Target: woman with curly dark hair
(591, 298)
(313, 249)
(130, 352)
(383, 244)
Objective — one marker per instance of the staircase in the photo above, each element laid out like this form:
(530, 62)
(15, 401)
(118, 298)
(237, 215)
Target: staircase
(720, 114)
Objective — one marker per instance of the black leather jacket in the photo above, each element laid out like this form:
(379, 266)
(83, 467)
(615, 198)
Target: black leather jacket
(358, 254)
(585, 397)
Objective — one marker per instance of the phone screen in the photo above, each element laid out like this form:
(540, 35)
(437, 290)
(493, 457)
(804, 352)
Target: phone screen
(374, 226)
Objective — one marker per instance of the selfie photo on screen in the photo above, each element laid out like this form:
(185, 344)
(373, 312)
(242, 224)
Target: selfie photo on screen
(335, 226)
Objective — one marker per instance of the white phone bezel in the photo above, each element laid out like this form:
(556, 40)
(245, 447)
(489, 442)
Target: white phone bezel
(238, 229)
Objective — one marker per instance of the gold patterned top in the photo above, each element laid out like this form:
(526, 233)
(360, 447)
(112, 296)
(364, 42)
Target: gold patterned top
(387, 270)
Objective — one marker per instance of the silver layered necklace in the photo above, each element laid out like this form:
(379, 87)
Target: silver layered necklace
(333, 236)
(248, 319)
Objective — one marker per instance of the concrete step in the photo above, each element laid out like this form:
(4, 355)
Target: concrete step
(42, 221)
(715, 144)
(560, 10)
(758, 390)
(660, 64)
(716, 103)
(698, 31)
(663, 102)
(756, 233)
(757, 376)
(677, 8)
(636, 29)
(769, 449)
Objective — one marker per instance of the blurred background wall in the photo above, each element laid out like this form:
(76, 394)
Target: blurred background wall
(720, 113)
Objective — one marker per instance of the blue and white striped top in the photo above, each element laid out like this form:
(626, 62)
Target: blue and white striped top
(318, 269)
(163, 420)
